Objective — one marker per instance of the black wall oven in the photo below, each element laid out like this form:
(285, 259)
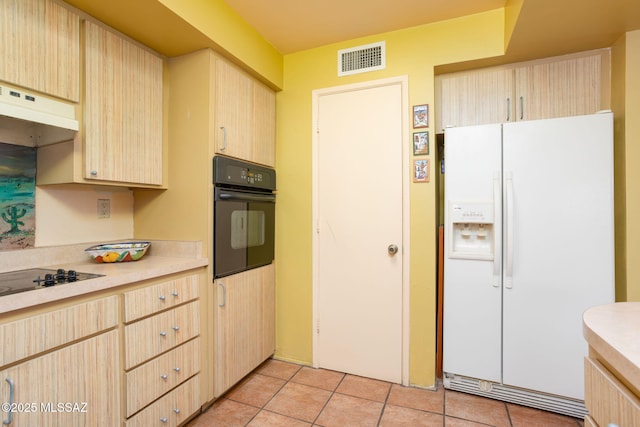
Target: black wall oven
(243, 216)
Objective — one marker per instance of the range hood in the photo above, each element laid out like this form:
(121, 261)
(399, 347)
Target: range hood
(34, 120)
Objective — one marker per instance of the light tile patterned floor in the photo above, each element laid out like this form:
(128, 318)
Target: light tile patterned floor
(282, 394)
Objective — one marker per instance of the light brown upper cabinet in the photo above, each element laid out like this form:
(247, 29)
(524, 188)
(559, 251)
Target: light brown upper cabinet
(563, 86)
(123, 109)
(244, 116)
(40, 45)
(475, 98)
(121, 135)
(569, 87)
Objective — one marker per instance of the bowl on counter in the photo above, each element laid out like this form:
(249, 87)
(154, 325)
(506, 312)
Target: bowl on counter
(118, 252)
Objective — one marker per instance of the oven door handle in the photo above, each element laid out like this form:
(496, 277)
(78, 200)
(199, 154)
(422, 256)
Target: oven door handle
(248, 197)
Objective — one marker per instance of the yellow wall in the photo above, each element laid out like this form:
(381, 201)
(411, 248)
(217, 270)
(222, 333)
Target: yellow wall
(413, 52)
(626, 107)
(216, 20)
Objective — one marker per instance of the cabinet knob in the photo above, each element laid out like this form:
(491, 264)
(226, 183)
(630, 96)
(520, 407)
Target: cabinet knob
(176, 369)
(94, 173)
(176, 410)
(176, 328)
(162, 298)
(163, 334)
(174, 293)
(164, 376)
(164, 419)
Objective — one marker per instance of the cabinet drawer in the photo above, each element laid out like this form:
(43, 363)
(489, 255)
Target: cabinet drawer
(153, 379)
(607, 399)
(154, 335)
(32, 335)
(172, 409)
(152, 299)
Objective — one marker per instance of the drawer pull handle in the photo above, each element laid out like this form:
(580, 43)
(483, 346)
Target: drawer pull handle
(176, 328)
(176, 410)
(176, 369)
(164, 419)
(163, 334)
(164, 376)
(162, 297)
(12, 390)
(174, 293)
(223, 299)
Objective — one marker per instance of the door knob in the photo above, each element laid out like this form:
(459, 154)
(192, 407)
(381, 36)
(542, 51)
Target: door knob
(392, 249)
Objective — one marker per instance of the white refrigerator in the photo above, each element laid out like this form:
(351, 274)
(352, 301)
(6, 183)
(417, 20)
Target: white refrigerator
(529, 245)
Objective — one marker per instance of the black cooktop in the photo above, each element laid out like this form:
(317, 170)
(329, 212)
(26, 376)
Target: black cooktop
(35, 278)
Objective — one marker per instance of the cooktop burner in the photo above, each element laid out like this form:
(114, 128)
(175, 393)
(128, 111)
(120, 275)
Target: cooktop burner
(35, 278)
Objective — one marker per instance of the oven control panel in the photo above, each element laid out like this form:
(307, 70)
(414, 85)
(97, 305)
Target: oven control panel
(227, 171)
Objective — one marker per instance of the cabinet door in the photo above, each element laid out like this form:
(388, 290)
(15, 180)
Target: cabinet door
(77, 385)
(264, 129)
(123, 110)
(40, 45)
(477, 97)
(240, 326)
(608, 400)
(233, 118)
(561, 88)
(245, 116)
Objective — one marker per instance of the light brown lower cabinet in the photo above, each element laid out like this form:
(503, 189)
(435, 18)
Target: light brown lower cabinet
(608, 400)
(62, 366)
(244, 324)
(162, 347)
(77, 385)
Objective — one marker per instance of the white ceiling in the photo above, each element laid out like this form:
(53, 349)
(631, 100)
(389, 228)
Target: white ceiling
(295, 25)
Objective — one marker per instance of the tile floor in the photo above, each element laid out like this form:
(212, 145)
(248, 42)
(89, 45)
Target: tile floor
(282, 394)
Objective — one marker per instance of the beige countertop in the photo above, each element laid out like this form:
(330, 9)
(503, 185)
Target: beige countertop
(162, 258)
(613, 331)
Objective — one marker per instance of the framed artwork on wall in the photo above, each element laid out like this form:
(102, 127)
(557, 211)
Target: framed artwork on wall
(420, 143)
(421, 170)
(421, 116)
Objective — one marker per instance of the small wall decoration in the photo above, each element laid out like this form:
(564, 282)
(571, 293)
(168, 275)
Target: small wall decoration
(421, 116)
(17, 196)
(420, 143)
(421, 170)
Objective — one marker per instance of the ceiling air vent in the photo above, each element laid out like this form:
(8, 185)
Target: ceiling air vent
(361, 59)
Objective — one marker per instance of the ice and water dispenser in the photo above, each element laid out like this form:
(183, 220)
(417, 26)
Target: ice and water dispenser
(472, 231)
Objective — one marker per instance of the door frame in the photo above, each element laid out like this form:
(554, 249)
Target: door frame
(403, 81)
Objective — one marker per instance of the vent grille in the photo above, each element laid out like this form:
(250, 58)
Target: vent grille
(362, 59)
(539, 400)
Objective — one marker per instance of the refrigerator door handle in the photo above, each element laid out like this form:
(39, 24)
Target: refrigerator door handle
(508, 280)
(496, 209)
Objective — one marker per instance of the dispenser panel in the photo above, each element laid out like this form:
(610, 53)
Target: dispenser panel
(471, 231)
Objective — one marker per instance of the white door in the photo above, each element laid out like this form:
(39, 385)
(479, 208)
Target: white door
(560, 263)
(359, 213)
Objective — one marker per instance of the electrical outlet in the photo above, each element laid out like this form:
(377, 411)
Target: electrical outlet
(104, 208)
